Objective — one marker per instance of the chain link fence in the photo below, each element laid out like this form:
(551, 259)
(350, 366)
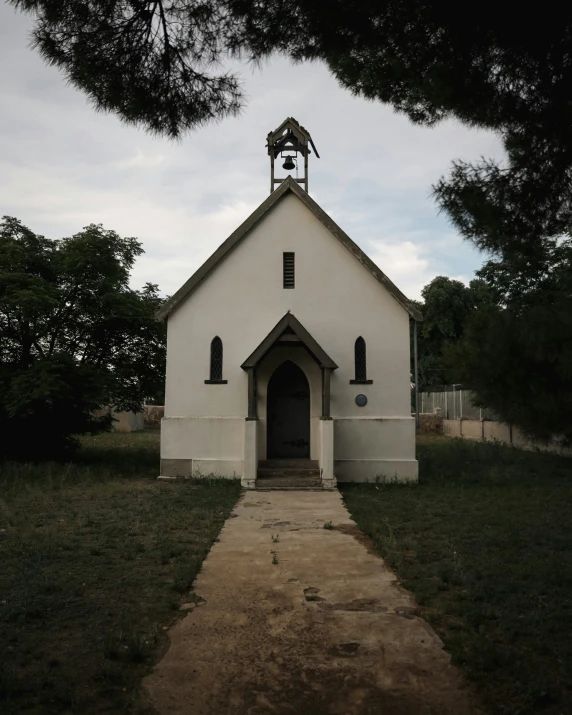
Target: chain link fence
(455, 404)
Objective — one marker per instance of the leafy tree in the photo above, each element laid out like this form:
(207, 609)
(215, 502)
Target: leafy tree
(154, 63)
(517, 355)
(447, 308)
(73, 337)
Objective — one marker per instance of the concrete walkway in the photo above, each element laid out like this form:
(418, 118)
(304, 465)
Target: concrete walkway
(326, 630)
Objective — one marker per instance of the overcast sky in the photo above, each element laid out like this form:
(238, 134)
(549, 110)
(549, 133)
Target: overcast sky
(63, 166)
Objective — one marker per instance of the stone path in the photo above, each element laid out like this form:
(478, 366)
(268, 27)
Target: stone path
(326, 630)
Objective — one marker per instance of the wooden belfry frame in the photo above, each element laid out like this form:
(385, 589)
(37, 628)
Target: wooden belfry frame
(289, 139)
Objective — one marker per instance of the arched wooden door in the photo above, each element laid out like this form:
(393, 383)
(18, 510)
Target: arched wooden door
(288, 413)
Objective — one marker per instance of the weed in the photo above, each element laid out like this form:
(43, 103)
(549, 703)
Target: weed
(168, 549)
(110, 672)
(184, 575)
(328, 525)
(274, 557)
(195, 598)
(8, 678)
(128, 642)
(276, 539)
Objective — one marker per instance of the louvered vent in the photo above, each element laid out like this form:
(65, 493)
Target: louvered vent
(288, 270)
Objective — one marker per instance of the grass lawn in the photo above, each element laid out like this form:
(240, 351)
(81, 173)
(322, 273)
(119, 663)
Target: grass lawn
(484, 541)
(96, 558)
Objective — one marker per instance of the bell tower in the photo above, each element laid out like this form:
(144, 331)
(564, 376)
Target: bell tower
(285, 143)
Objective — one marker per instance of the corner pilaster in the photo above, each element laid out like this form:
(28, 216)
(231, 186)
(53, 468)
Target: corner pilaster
(250, 470)
(327, 454)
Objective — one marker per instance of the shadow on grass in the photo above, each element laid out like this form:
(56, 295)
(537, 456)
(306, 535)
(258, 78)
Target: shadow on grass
(484, 542)
(101, 458)
(462, 461)
(97, 556)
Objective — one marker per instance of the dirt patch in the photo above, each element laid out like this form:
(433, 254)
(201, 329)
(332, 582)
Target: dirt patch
(311, 591)
(371, 605)
(309, 692)
(359, 536)
(344, 649)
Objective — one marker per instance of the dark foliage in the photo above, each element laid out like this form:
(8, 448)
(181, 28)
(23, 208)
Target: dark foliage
(146, 61)
(447, 308)
(154, 63)
(73, 337)
(517, 355)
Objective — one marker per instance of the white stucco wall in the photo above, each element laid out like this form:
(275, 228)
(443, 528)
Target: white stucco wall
(335, 298)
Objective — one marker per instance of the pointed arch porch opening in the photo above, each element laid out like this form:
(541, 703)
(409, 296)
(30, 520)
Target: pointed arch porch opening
(288, 402)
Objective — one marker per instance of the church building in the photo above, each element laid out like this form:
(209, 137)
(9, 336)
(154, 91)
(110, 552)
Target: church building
(288, 351)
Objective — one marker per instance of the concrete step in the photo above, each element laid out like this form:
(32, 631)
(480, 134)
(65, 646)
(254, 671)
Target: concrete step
(296, 479)
(288, 473)
(289, 481)
(288, 464)
(290, 489)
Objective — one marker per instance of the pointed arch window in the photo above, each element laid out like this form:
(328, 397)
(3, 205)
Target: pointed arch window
(216, 363)
(360, 362)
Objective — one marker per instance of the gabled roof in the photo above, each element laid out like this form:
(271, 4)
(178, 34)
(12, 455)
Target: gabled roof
(289, 125)
(289, 326)
(236, 238)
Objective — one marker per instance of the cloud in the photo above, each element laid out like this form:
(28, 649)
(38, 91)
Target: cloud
(404, 263)
(140, 158)
(63, 166)
(411, 259)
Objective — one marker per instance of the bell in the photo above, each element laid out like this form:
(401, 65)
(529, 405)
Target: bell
(289, 163)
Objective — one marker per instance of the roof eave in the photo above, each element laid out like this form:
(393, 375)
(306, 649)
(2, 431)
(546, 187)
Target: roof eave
(289, 321)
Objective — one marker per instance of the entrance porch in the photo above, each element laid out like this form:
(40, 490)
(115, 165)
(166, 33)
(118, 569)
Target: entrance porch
(289, 435)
